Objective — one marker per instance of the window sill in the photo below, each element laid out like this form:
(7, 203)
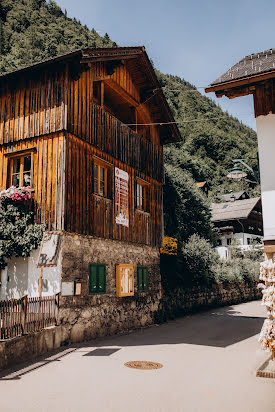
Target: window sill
(142, 212)
(99, 197)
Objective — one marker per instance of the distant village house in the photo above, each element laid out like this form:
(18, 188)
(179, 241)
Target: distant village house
(238, 223)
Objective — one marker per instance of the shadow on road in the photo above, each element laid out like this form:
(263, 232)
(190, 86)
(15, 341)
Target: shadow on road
(220, 327)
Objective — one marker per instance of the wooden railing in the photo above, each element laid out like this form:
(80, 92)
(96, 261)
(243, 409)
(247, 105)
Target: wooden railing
(110, 135)
(26, 315)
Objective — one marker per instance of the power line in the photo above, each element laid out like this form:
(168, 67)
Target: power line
(166, 123)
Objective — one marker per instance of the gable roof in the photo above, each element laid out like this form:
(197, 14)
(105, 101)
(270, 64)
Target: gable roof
(240, 209)
(227, 197)
(250, 65)
(251, 69)
(143, 74)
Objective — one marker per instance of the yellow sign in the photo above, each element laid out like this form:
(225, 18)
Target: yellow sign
(170, 246)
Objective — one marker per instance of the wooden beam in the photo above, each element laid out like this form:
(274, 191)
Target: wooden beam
(102, 94)
(237, 92)
(118, 89)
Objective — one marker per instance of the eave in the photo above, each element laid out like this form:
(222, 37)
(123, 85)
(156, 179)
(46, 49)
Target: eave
(239, 87)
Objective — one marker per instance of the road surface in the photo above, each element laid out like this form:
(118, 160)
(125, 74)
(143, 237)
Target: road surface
(209, 363)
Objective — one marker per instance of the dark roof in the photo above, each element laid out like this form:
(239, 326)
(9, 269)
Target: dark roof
(251, 65)
(103, 53)
(144, 73)
(240, 209)
(229, 197)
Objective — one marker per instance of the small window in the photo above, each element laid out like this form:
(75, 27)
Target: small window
(100, 180)
(228, 241)
(97, 278)
(219, 242)
(142, 196)
(249, 241)
(142, 277)
(20, 171)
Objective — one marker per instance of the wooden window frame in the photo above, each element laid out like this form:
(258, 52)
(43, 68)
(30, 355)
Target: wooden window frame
(119, 268)
(142, 284)
(145, 189)
(20, 154)
(107, 167)
(97, 290)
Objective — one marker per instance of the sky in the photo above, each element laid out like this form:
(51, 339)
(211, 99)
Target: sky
(194, 39)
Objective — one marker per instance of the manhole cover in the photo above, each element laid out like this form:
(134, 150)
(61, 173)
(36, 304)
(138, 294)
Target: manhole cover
(145, 365)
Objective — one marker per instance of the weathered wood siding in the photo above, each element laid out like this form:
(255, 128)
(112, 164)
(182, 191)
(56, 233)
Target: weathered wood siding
(264, 98)
(91, 214)
(33, 105)
(111, 136)
(53, 109)
(48, 176)
(94, 124)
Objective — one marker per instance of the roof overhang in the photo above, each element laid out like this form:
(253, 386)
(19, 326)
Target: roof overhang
(85, 56)
(239, 87)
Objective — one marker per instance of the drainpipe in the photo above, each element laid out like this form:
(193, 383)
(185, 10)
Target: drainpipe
(242, 229)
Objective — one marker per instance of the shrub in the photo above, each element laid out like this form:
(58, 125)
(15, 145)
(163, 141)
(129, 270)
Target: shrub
(196, 262)
(236, 270)
(19, 235)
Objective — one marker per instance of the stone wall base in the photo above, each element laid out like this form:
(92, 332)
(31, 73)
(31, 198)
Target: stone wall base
(27, 347)
(90, 317)
(181, 301)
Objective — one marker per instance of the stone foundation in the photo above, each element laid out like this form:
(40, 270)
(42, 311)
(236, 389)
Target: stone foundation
(24, 348)
(181, 301)
(89, 316)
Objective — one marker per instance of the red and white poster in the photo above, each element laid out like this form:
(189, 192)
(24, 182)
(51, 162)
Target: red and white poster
(122, 197)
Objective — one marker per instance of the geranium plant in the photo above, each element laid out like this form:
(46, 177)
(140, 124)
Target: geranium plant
(16, 193)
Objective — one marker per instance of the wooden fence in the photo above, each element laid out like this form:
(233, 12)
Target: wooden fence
(27, 315)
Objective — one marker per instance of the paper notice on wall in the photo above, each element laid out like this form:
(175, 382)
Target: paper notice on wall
(122, 197)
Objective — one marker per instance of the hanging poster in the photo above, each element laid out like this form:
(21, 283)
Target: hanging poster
(122, 197)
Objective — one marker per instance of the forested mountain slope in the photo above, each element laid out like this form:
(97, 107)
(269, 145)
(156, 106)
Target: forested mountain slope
(212, 138)
(32, 30)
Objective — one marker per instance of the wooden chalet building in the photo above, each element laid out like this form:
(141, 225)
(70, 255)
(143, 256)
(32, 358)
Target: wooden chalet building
(84, 127)
(239, 221)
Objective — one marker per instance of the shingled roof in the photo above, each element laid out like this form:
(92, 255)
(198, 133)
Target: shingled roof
(228, 197)
(251, 65)
(240, 209)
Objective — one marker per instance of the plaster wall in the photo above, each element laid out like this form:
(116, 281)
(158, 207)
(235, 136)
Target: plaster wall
(21, 275)
(266, 144)
(242, 238)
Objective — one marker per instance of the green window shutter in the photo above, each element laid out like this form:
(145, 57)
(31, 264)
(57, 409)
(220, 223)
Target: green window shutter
(97, 278)
(139, 278)
(101, 277)
(92, 278)
(145, 278)
(142, 277)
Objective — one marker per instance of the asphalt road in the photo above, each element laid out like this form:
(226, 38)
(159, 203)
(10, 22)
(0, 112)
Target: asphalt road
(209, 364)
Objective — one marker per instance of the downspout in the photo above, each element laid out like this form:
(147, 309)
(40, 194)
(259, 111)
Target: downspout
(242, 229)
